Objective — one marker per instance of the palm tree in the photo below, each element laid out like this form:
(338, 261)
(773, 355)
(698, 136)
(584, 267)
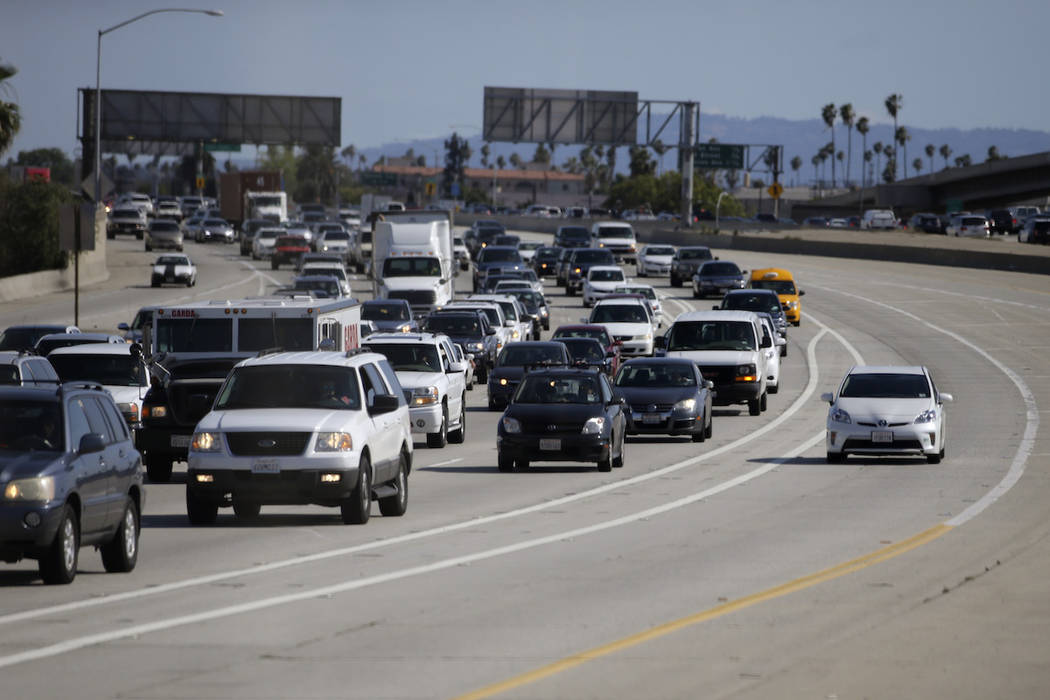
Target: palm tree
(10, 117)
(796, 165)
(917, 164)
(862, 129)
(816, 162)
(902, 137)
(485, 155)
(868, 155)
(889, 173)
(877, 147)
(930, 150)
(828, 115)
(349, 153)
(501, 162)
(894, 104)
(361, 160)
(945, 153)
(993, 153)
(847, 115)
(515, 160)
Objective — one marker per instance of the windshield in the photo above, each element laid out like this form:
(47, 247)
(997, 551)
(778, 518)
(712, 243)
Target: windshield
(605, 276)
(31, 425)
(110, 370)
(619, 313)
(267, 201)
(336, 236)
(712, 335)
(656, 375)
(406, 357)
(752, 302)
(215, 222)
(575, 232)
(172, 260)
(412, 267)
(721, 268)
(695, 254)
(385, 312)
(554, 389)
(194, 335)
(163, 225)
(499, 255)
(659, 251)
(589, 255)
(599, 334)
(453, 325)
(778, 286)
(529, 245)
(615, 232)
(586, 349)
(516, 356)
(329, 286)
(290, 386)
(647, 292)
(885, 386)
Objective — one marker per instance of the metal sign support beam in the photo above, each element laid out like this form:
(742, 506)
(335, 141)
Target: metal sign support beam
(685, 148)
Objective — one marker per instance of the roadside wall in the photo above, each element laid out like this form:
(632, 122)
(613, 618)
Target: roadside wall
(93, 269)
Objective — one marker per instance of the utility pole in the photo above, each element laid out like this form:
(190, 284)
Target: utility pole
(685, 150)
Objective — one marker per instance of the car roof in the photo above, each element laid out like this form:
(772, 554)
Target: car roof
(887, 369)
(771, 273)
(685, 361)
(601, 268)
(406, 338)
(121, 348)
(622, 300)
(720, 315)
(581, 327)
(750, 291)
(351, 358)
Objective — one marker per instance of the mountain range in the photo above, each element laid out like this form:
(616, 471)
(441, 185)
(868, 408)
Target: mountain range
(801, 137)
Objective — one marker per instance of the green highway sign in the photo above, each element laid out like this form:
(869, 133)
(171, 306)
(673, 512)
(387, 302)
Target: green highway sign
(369, 177)
(230, 147)
(723, 156)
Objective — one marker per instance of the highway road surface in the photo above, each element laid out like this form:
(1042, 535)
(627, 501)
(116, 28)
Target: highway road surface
(743, 567)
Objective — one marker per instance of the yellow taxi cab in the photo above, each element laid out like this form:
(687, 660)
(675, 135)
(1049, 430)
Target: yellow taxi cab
(781, 282)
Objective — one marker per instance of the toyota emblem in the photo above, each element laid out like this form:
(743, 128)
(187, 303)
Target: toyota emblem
(267, 444)
(882, 422)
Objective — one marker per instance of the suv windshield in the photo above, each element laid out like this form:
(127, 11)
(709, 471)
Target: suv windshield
(453, 325)
(619, 313)
(752, 302)
(655, 375)
(694, 254)
(385, 312)
(592, 255)
(31, 425)
(110, 370)
(290, 386)
(615, 232)
(659, 251)
(554, 389)
(885, 386)
(712, 335)
(408, 357)
(516, 356)
(722, 268)
(606, 276)
(489, 255)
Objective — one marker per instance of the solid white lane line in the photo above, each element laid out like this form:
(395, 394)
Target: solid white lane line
(796, 406)
(1027, 443)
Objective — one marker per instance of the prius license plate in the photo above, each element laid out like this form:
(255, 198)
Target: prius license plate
(550, 444)
(652, 418)
(265, 466)
(882, 436)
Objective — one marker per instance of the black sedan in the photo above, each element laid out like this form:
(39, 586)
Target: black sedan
(515, 360)
(666, 396)
(562, 415)
(716, 277)
(588, 352)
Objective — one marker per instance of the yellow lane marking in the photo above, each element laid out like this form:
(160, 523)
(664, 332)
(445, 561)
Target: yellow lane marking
(837, 571)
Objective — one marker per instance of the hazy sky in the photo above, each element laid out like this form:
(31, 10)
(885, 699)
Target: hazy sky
(415, 69)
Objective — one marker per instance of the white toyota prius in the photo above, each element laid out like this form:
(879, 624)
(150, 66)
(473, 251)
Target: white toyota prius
(887, 411)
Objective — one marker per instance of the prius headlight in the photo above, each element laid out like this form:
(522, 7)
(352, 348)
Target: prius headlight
(927, 416)
(838, 415)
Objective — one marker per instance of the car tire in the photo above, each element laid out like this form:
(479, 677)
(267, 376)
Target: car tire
(606, 465)
(570, 291)
(521, 465)
(754, 407)
(179, 249)
(459, 435)
(618, 461)
(783, 350)
(675, 282)
(836, 457)
(639, 271)
(481, 375)
(273, 264)
(396, 505)
(149, 248)
(935, 459)
(121, 553)
(773, 388)
(763, 402)
(154, 283)
(505, 464)
(700, 435)
(158, 469)
(200, 510)
(245, 508)
(357, 507)
(58, 564)
(440, 438)
(138, 236)
(796, 324)
(710, 427)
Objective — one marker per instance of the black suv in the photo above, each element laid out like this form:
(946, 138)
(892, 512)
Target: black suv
(686, 261)
(70, 477)
(572, 237)
(580, 262)
(1002, 221)
(470, 329)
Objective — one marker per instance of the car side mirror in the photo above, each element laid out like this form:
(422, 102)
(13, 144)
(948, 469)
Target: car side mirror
(123, 327)
(945, 398)
(716, 307)
(802, 292)
(709, 384)
(830, 398)
(91, 442)
(490, 331)
(456, 367)
(383, 403)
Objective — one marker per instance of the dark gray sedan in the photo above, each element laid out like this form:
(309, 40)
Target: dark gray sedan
(665, 396)
(716, 277)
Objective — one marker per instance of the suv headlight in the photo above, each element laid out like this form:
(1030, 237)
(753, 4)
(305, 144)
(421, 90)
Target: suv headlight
(334, 442)
(746, 373)
(927, 416)
(511, 425)
(593, 426)
(424, 396)
(837, 415)
(205, 442)
(685, 406)
(41, 488)
(475, 347)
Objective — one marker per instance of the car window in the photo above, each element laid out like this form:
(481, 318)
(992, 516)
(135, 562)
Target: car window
(95, 418)
(885, 386)
(372, 382)
(78, 422)
(117, 424)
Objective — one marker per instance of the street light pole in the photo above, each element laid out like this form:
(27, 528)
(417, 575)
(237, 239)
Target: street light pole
(98, 83)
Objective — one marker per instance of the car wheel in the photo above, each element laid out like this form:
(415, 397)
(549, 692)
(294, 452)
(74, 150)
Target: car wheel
(606, 464)
(640, 272)
(492, 405)
(836, 457)
(935, 459)
(763, 402)
(58, 564)
(710, 426)
(675, 282)
(200, 509)
(158, 469)
(481, 375)
(754, 407)
(460, 434)
(440, 438)
(357, 507)
(273, 264)
(505, 463)
(396, 505)
(154, 283)
(121, 553)
(618, 460)
(189, 283)
(783, 350)
(138, 236)
(521, 465)
(773, 388)
(245, 508)
(149, 248)
(570, 291)
(700, 435)
(179, 249)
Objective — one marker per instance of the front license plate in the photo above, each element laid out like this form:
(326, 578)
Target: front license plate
(550, 444)
(882, 436)
(652, 418)
(180, 440)
(265, 466)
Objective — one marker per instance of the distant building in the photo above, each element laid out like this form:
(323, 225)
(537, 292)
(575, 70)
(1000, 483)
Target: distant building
(512, 187)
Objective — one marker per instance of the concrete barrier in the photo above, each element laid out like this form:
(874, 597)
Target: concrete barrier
(923, 249)
(93, 269)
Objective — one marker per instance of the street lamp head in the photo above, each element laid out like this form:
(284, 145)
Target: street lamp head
(214, 13)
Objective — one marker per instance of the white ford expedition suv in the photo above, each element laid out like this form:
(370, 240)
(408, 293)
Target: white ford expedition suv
(294, 428)
(434, 381)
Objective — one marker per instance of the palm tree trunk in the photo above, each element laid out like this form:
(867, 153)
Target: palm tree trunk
(849, 153)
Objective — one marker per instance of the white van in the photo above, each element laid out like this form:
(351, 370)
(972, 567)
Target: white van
(878, 218)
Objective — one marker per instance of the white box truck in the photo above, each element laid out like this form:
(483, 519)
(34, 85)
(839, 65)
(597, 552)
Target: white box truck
(412, 259)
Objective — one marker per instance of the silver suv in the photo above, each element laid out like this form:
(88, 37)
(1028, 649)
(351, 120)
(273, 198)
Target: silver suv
(297, 428)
